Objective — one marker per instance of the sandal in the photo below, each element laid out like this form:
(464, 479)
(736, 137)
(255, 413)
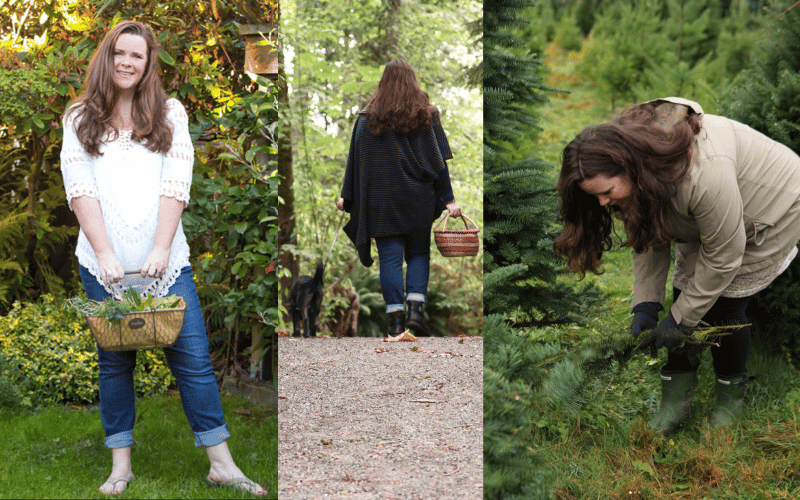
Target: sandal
(239, 483)
(113, 482)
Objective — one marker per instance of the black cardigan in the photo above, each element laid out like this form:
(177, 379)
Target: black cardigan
(394, 184)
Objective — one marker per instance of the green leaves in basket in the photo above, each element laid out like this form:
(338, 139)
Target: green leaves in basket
(174, 304)
(132, 296)
(132, 302)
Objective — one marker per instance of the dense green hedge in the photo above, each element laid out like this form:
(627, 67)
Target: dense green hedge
(48, 355)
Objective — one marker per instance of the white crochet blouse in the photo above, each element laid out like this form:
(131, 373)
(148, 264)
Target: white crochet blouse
(128, 179)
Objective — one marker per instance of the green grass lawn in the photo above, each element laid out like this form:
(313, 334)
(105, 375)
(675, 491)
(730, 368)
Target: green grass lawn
(58, 452)
(602, 448)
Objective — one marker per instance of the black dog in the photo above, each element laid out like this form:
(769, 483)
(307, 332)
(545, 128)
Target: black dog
(306, 298)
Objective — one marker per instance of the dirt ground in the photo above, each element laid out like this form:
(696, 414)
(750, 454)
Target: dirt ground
(364, 419)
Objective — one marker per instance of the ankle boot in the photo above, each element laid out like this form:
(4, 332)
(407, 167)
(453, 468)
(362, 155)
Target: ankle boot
(730, 400)
(416, 318)
(677, 390)
(396, 323)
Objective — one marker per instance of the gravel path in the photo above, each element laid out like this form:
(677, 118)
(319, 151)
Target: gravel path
(364, 419)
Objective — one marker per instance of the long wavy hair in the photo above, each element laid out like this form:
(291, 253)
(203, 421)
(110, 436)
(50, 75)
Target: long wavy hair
(633, 145)
(400, 105)
(95, 106)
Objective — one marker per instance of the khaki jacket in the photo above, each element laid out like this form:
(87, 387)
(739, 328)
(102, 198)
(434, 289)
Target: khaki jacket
(738, 211)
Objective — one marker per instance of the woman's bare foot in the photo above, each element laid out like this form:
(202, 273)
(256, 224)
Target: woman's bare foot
(224, 471)
(121, 473)
(116, 484)
(235, 480)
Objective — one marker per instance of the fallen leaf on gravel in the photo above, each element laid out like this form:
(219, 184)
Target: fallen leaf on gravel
(458, 469)
(406, 336)
(379, 350)
(448, 354)
(326, 442)
(282, 333)
(242, 411)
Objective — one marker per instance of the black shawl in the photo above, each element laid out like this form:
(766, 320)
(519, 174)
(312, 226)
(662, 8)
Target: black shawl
(394, 184)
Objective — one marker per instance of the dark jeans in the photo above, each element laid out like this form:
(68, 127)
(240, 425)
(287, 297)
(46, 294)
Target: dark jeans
(730, 358)
(188, 360)
(415, 248)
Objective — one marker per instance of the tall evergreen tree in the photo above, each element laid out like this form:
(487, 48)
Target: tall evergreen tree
(520, 268)
(585, 16)
(694, 26)
(687, 34)
(624, 41)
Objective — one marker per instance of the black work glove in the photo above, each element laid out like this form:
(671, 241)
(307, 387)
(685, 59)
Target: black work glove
(645, 317)
(669, 333)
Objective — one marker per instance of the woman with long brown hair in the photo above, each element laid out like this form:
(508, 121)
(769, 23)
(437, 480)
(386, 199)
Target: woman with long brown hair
(396, 184)
(127, 162)
(725, 193)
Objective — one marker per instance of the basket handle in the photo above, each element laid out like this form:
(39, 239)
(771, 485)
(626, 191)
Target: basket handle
(464, 218)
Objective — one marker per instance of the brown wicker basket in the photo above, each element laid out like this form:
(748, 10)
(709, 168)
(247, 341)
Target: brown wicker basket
(456, 243)
(139, 330)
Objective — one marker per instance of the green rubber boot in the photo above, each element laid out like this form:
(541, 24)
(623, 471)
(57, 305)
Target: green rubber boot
(730, 400)
(677, 390)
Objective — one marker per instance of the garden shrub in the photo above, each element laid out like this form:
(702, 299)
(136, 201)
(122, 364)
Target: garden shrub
(51, 356)
(11, 392)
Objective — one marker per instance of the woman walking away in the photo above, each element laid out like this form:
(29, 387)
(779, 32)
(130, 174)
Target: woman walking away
(127, 164)
(395, 186)
(725, 194)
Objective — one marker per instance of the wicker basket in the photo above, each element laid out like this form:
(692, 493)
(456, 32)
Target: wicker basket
(456, 243)
(139, 330)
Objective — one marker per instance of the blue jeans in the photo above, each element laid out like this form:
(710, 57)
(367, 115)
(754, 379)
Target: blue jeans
(188, 360)
(415, 247)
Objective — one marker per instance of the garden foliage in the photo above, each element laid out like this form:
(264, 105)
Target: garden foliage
(48, 355)
(230, 219)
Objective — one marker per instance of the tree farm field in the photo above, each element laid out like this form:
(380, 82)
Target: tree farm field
(603, 448)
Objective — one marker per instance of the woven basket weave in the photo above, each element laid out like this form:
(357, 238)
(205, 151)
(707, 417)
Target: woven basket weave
(456, 242)
(139, 330)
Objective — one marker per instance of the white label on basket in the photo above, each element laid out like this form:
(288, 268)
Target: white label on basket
(136, 323)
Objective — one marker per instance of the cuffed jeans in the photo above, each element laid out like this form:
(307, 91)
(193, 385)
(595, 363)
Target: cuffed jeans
(188, 360)
(415, 248)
